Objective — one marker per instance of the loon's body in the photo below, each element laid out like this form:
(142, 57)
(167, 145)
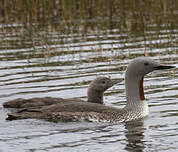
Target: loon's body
(81, 111)
(136, 106)
(95, 113)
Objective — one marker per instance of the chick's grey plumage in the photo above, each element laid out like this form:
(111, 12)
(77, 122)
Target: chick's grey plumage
(95, 95)
(37, 106)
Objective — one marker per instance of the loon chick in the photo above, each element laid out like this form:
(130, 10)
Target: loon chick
(95, 95)
(136, 106)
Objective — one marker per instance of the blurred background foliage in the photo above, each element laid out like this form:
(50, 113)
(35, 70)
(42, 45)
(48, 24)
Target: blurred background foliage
(47, 23)
(85, 15)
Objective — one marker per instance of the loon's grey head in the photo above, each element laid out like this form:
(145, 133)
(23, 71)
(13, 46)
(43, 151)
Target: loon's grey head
(141, 66)
(135, 73)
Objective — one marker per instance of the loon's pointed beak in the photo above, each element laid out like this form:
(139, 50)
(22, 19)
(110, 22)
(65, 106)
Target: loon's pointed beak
(163, 67)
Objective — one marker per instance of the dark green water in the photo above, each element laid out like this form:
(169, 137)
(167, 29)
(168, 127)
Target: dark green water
(55, 48)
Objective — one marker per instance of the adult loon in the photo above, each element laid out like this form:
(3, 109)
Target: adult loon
(95, 94)
(136, 106)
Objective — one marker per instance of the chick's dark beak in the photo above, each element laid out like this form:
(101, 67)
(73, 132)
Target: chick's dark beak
(114, 82)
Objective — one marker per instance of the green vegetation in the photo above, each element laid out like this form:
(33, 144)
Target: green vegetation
(108, 14)
(39, 24)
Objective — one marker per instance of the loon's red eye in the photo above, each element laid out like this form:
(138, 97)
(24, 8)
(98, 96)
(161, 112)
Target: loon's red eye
(146, 63)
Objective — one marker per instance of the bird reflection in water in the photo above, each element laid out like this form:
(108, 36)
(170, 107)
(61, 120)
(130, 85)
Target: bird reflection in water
(134, 132)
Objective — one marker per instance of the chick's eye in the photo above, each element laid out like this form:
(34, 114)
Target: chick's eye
(103, 82)
(146, 63)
